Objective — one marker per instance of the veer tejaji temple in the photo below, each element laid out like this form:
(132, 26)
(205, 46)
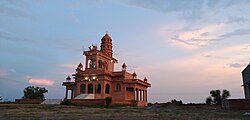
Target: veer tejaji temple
(98, 80)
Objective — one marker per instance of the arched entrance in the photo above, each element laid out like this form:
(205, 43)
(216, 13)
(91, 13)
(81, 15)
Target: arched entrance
(82, 88)
(90, 88)
(107, 89)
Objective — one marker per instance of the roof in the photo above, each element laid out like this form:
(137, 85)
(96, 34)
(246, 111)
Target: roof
(106, 36)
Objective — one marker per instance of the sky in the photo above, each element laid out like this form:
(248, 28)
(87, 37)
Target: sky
(184, 47)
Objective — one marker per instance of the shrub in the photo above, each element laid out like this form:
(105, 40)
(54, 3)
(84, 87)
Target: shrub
(108, 101)
(174, 101)
(209, 101)
(150, 104)
(66, 102)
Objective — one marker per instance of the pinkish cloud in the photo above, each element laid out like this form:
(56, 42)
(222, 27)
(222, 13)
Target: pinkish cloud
(196, 75)
(3, 72)
(45, 82)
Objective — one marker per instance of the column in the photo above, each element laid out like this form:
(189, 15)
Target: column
(72, 92)
(86, 88)
(66, 96)
(140, 95)
(86, 63)
(143, 95)
(94, 87)
(134, 94)
(137, 94)
(146, 96)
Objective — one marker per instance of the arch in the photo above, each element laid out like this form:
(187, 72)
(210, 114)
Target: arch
(90, 88)
(98, 88)
(118, 87)
(82, 88)
(100, 65)
(88, 63)
(105, 65)
(91, 63)
(107, 89)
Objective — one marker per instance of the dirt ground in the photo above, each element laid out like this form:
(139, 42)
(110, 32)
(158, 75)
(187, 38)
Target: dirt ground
(28, 111)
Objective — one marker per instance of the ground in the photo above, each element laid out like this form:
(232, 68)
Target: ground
(170, 112)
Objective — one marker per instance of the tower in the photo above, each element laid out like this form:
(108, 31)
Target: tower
(106, 45)
(100, 59)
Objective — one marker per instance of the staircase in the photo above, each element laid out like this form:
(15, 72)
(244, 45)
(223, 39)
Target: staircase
(52, 101)
(85, 96)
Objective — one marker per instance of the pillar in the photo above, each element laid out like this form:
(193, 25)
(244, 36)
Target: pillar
(72, 92)
(137, 94)
(146, 95)
(94, 87)
(134, 94)
(143, 95)
(66, 96)
(140, 95)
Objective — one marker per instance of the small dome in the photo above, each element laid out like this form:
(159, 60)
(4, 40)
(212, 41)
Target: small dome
(80, 65)
(134, 74)
(124, 65)
(106, 37)
(145, 79)
(68, 78)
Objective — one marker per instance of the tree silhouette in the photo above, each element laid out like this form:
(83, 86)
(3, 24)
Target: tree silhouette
(32, 92)
(216, 96)
(209, 100)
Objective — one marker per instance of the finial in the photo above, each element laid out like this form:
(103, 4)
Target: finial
(124, 67)
(68, 79)
(134, 75)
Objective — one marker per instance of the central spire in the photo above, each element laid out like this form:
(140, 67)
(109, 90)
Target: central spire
(106, 45)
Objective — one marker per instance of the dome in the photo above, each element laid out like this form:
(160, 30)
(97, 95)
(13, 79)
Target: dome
(106, 37)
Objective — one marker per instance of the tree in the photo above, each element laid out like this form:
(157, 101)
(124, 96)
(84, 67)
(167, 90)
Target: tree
(1, 98)
(209, 100)
(32, 92)
(216, 96)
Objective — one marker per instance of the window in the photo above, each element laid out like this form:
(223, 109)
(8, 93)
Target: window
(107, 90)
(118, 87)
(82, 88)
(98, 88)
(90, 88)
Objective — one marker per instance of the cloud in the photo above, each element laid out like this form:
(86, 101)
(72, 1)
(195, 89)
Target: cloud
(15, 8)
(11, 37)
(237, 65)
(3, 72)
(207, 35)
(70, 66)
(44, 82)
(197, 74)
(198, 37)
(237, 32)
(236, 20)
(190, 9)
(228, 55)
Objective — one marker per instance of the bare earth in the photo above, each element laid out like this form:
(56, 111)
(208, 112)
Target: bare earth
(25, 111)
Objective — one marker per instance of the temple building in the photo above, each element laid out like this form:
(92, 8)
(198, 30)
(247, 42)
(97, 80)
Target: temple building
(246, 81)
(99, 80)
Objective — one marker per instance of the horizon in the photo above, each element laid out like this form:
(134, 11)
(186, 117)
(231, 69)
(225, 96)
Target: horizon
(184, 48)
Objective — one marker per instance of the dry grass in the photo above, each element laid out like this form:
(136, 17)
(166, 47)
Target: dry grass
(24, 111)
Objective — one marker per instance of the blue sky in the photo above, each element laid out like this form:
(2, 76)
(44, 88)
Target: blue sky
(184, 47)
